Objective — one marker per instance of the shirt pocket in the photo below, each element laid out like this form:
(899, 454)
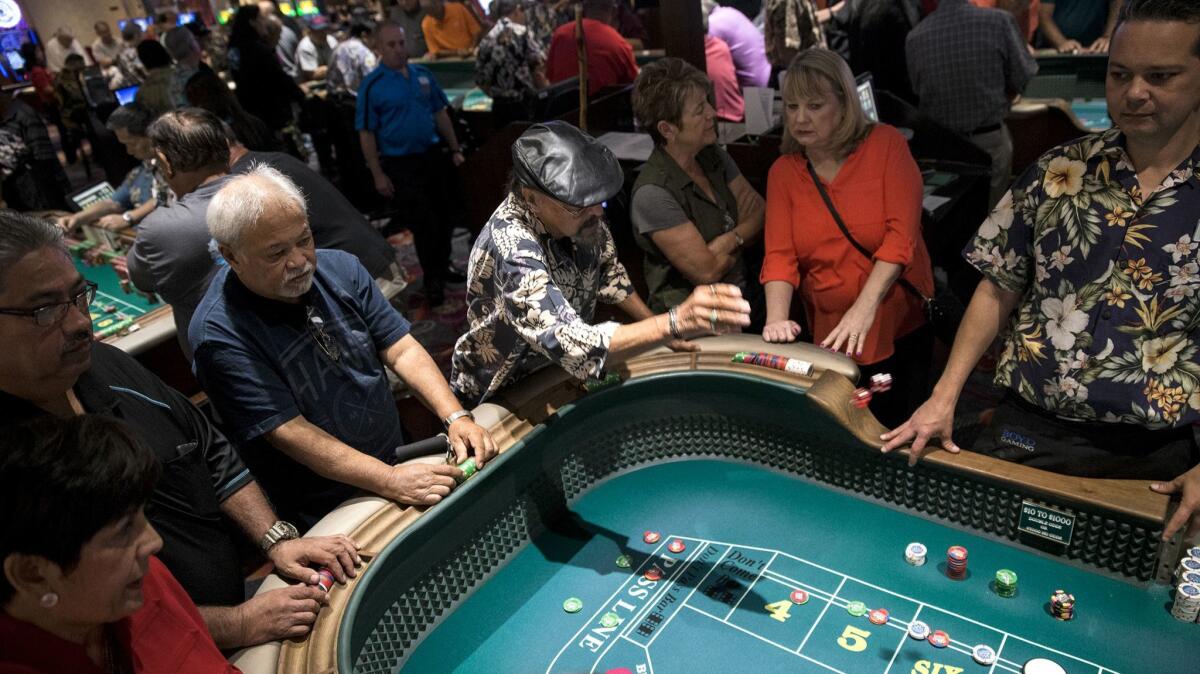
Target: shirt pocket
(186, 484)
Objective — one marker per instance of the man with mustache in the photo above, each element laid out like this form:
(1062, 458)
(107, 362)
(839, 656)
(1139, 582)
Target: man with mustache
(1090, 267)
(292, 345)
(543, 262)
(50, 366)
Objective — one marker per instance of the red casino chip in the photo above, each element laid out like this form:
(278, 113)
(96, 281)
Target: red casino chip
(677, 546)
(653, 573)
(939, 639)
(651, 537)
(878, 617)
(799, 597)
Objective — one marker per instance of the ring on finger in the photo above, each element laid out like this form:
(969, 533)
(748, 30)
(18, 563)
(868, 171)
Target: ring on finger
(712, 287)
(712, 320)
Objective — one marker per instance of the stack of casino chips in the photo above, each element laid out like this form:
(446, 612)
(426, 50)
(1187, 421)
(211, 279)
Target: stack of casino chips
(1062, 605)
(793, 365)
(1189, 564)
(1187, 602)
(956, 562)
(1006, 583)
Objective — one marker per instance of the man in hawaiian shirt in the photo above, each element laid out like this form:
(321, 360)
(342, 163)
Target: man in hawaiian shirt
(511, 65)
(1090, 265)
(543, 261)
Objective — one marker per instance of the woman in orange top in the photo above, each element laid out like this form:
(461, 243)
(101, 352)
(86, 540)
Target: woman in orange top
(853, 303)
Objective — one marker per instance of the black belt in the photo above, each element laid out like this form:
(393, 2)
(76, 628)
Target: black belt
(987, 129)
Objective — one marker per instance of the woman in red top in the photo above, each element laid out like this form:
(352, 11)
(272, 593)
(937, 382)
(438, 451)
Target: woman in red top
(81, 591)
(853, 302)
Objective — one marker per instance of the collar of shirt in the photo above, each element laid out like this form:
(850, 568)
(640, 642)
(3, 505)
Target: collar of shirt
(506, 24)
(1186, 172)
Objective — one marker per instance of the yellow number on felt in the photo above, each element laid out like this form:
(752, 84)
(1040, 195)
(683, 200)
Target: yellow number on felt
(853, 639)
(779, 610)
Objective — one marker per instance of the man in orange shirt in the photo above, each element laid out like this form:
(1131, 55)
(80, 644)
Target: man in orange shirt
(609, 57)
(450, 29)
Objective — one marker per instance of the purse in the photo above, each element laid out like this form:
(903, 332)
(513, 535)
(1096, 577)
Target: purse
(944, 312)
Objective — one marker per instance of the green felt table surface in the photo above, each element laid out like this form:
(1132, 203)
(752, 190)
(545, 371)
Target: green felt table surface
(753, 535)
(129, 306)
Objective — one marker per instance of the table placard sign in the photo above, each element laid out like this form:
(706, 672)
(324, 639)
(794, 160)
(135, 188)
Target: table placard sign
(1047, 523)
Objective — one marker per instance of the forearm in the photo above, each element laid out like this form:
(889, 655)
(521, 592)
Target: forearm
(1048, 27)
(327, 456)
(370, 150)
(1114, 8)
(989, 309)
(446, 129)
(140, 212)
(414, 365)
(879, 282)
(249, 508)
(779, 300)
(96, 211)
(633, 307)
(226, 624)
(751, 224)
(634, 338)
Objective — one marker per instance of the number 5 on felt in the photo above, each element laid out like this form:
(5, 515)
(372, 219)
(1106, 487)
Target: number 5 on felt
(853, 639)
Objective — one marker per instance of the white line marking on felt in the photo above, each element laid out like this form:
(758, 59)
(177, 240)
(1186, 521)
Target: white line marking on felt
(999, 650)
(751, 588)
(903, 640)
(828, 603)
(763, 639)
(663, 627)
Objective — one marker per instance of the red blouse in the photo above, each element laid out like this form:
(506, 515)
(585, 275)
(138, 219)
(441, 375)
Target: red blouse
(878, 193)
(165, 636)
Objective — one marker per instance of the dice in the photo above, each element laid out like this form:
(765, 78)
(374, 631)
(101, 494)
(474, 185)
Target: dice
(861, 398)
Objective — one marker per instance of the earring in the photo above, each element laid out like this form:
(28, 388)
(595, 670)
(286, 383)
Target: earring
(49, 600)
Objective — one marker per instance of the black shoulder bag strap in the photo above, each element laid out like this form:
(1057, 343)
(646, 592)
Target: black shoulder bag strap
(858, 246)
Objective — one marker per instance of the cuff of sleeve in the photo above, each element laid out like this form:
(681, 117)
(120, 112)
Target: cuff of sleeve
(586, 348)
(993, 270)
(896, 252)
(234, 484)
(265, 426)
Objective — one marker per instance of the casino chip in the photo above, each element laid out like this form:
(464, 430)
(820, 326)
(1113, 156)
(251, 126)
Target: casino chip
(918, 630)
(856, 608)
(573, 605)
(651, 537)
(677, 546)
(939, 639)
(653, 573)
(624, 562)
(610, 619)
(878, 616)
(1042, 666)
(915, 553)
(799, 597)
(1006, 583)
(983, 654)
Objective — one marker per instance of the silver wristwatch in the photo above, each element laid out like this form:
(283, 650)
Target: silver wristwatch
(455, 416)
(280, 531)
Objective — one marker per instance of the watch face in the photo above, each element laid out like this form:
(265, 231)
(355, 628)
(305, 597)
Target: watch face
(289, 530)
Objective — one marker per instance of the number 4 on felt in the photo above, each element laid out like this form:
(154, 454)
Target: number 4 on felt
(780, 610)
(853, 639)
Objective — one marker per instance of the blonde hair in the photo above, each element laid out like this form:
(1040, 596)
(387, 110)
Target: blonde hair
(817, 73)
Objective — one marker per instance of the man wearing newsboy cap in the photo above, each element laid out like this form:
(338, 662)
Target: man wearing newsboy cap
(543, 261)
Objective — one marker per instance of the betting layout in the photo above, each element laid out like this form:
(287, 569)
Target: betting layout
(712, 601)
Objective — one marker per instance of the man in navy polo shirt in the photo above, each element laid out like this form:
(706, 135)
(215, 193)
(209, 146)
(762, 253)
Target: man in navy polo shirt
(401, 113)
(291, 345)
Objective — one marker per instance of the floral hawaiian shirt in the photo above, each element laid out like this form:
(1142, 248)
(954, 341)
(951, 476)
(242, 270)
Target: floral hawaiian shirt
(543, 17)
(531, 301)
(1108, 324)
(350, 62)
(507, 59)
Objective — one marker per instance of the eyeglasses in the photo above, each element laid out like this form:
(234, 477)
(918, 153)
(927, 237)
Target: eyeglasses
(316, 328)
(573, 212)
(51, 314)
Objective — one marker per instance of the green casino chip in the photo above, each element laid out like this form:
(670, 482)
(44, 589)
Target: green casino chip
(610, 619)
(573, 605)
(468, 468)
(1006, 578)
(624, 562)
(856, 608)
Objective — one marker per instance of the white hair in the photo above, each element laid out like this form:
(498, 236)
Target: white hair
(239, 204)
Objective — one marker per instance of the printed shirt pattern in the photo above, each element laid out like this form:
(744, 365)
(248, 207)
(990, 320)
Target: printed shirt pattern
(1106, 327)
(507, 59)
(532, 298)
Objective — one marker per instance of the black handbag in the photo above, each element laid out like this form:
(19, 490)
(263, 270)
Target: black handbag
(944, 311)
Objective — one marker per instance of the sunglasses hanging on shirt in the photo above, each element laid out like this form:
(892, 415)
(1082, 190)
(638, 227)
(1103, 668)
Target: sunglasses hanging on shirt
(316, 328)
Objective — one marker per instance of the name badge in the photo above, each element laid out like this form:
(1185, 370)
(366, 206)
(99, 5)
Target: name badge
(424, 82)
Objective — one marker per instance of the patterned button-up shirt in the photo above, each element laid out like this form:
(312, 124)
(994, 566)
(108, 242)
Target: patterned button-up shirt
(542, 19)
(1108, 324)
(531, 301)
(508, 57)
(350, 62)
(790, 26)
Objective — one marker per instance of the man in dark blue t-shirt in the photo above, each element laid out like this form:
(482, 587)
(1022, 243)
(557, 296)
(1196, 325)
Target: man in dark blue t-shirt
(292, 346)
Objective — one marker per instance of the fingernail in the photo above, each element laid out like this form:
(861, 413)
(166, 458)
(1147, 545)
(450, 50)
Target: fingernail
(1155, 485)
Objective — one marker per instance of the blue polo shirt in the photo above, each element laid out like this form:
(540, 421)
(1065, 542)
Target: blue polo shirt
(262, 365)
(400, 109)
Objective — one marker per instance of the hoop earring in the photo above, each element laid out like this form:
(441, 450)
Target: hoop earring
(49, 600)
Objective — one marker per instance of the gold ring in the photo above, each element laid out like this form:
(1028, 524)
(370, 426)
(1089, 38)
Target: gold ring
(712, 320)
(713, 288)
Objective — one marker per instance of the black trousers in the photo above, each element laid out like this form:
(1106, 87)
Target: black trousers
(426, 202)
(1029, 435)
(909, 366)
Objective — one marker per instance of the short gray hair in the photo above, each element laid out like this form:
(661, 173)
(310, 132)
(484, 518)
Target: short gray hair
(239, 204)
(22, 234)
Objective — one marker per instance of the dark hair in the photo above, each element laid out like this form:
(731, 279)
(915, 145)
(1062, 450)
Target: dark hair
(133, 117)
(660, 90)
(22, 234)
(208, 91)
(360, 29)
(73, 58)
(1185, 11)
(502, 8)
(599, 8)
(63, 480)
(153, 55)
(28, 51)
(130, 31)
(190, 139)
(241, 30)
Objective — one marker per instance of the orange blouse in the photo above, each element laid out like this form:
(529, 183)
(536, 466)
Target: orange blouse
(878, 193)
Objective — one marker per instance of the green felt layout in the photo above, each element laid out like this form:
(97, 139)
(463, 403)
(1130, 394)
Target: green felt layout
(129, 306)
(753, 536)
